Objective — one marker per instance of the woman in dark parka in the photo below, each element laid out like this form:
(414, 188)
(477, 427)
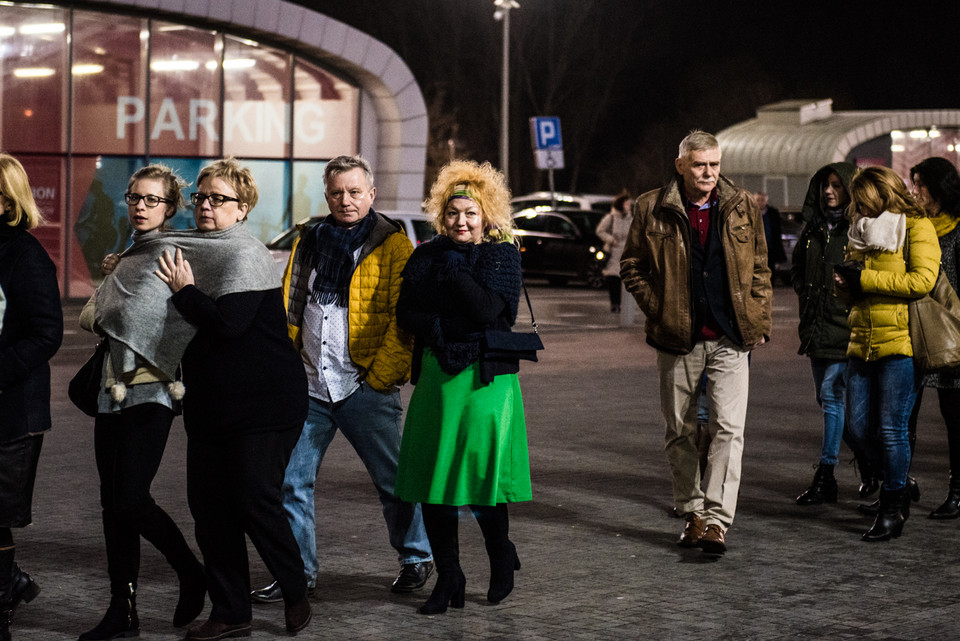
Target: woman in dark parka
(31, 328)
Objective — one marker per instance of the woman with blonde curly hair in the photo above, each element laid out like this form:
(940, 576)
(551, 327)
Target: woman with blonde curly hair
(464, 439)
(893, 257)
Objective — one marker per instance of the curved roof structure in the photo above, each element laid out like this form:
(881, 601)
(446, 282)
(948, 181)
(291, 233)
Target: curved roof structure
(791, 140)
(393, 135)
(799, 137)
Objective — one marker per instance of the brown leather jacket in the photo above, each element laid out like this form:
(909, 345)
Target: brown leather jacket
(655, 266)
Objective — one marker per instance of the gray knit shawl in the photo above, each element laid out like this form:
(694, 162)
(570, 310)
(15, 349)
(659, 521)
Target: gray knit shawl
(133, 305)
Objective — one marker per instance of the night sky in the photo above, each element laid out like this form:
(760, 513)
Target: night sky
(629, 78)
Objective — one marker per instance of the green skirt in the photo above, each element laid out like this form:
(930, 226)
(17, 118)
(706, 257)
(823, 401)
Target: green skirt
(464, 443)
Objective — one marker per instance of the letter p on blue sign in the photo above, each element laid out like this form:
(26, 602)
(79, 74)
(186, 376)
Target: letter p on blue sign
(546, 132)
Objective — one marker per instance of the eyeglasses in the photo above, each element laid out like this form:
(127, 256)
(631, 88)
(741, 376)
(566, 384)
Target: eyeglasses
(215, 199)
(149, 200)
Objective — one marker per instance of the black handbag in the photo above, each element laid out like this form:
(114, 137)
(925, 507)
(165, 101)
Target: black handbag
(507, 346)
(84, 387)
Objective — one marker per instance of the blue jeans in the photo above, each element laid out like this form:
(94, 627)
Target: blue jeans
(830, 381)
(371, 422)
(880, 397)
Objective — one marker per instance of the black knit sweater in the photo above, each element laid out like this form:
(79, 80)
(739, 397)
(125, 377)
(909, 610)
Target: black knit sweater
(452, 292)
(241, 371)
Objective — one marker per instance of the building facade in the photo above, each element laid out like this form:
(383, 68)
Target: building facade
(91, 91)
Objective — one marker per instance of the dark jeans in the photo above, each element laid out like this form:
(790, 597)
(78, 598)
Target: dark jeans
(129, 447)
(234, 488)
(615, 289)
(950, 411)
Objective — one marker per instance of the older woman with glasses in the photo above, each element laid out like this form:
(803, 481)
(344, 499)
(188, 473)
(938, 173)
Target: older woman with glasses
(245, 405)
(139, 397)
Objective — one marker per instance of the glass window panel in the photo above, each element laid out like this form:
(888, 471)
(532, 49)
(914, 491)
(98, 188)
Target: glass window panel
(98, 220)
(325, 113)
(184, 115)
(109, 84)
(47, 182)
(272, 212)
(33, 55)
(308, 199)
(256, 110)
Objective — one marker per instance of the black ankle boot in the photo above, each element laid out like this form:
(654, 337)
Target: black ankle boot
(120, 621)
(870, 509)
(822, 490)
(890, 520)
(23, 588)
(449, 589)
(6, 592)
(949, 509)
(502, 568)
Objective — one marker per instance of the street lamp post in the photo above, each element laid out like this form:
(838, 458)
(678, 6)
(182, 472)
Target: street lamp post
(503, 13)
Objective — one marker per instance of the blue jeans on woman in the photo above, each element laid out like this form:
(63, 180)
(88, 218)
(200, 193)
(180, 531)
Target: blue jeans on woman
(830, 381)
(880, 397)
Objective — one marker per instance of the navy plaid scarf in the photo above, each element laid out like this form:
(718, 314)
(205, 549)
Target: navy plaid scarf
(330, 253)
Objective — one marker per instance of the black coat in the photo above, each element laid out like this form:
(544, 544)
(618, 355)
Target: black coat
(31, 333)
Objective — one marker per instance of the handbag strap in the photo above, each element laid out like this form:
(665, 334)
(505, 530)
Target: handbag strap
(533, 321)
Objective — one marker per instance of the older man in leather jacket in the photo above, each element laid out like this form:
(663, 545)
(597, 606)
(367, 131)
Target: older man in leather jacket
(696, 262)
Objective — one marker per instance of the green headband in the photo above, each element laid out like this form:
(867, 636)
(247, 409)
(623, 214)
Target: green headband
(461, 191)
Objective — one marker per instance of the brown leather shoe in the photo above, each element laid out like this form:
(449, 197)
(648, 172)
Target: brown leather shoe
(214, 631)
(692, 531)
(298, 615)
(712, 542)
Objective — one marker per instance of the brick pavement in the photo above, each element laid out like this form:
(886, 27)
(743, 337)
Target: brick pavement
(597, 543)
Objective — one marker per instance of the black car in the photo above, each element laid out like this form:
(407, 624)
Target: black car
(560, 245)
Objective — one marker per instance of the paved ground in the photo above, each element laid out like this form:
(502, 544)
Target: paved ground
(597, 542)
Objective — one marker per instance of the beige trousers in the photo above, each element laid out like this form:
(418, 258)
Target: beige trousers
(714, 497)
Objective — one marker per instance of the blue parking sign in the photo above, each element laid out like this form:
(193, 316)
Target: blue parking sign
(546, 132)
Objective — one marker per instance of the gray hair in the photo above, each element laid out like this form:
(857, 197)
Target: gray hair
(342, 164)
(697, 140)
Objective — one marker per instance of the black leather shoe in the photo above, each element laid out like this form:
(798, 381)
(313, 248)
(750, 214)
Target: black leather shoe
(412, 576)
(269, 594)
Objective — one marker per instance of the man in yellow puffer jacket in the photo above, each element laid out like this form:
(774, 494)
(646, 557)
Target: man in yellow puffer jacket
(340, 288)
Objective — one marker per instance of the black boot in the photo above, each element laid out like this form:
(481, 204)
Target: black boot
(870, 509)
(6, 591)
(495, 524)
(442, 524)
(120, 621)
(193, 593)
(23, 588)
(869, 479)
(889, 523)
(822, 490)
(949, 509)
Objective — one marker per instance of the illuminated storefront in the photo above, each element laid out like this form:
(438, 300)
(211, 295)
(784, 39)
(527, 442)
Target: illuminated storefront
(88, 97)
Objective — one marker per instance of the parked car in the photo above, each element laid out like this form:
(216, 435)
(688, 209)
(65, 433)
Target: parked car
(553, 245)
(561, 200)
(417, 226)
(790, 226)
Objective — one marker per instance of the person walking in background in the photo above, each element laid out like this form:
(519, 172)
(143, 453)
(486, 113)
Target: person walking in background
(612, 230)
(936, 186)
(465, 439)
(245, 403)
(823, 329)
(880, 280)
(31, 328)
(341, 287)
(137, 404)
(696, 262)
(771, 230)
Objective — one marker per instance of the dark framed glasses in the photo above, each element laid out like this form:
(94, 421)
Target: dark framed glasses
(149, 200)
(216, 200)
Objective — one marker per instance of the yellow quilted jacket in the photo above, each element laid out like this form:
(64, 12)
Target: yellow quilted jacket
(879, 322)
(377, 346)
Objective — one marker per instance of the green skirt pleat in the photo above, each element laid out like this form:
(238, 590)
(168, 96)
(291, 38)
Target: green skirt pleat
(464, 442)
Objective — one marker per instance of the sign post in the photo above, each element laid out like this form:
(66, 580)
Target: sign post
(547, 147)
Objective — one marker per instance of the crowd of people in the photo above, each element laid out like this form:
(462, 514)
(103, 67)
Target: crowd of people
(265, 371)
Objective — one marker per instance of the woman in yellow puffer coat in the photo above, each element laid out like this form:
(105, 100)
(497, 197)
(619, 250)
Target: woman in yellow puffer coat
(882, 381)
